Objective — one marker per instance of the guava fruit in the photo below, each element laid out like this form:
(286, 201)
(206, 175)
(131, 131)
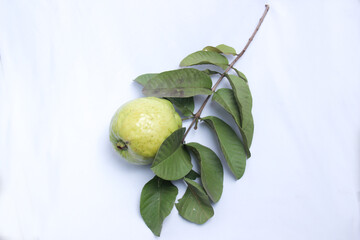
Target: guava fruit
(140, 126)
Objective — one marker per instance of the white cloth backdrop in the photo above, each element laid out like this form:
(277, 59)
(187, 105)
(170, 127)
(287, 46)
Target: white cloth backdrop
(67, 65)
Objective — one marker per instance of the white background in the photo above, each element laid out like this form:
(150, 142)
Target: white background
(67, 65)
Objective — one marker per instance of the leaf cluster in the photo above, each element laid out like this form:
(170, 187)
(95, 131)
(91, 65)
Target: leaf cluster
(173, 160)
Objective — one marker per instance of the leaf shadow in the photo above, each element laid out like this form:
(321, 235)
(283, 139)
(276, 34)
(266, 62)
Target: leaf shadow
(137, 86)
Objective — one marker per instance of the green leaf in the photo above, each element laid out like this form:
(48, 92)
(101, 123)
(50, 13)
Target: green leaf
(172, 161)
(192, 175)
(222, 48)
(184, 105)
(244, 100)
(225, 98)
(226, 49)
(156, 202)
(205, 57)
(144, 78)
(230, 144)
(195, 205)
(212, 49)
(179, 83)
(212, 173)
(240, 74)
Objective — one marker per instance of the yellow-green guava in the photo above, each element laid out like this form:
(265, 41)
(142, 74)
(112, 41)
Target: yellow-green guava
(140, 126)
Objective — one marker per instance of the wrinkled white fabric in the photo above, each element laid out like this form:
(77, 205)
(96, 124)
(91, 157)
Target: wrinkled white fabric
(66, 66)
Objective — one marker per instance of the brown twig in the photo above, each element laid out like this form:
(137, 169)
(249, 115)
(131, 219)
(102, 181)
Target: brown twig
(198, 113)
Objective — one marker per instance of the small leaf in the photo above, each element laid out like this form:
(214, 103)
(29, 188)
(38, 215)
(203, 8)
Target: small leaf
(226, 49)
(179, 83)
(172, 161)
(240, 74)
(156, 202)
(205, 57)
(195, 205)
(144, 78)
(230, 144)
(212, 49)
(225, 98)
(184, 105)
(212, 173)
(192, 175)
(222, 48)
(244, 100)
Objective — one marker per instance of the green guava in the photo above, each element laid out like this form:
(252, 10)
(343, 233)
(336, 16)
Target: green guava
(140, 126)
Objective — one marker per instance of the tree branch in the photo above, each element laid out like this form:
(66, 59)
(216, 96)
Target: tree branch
(198, 113)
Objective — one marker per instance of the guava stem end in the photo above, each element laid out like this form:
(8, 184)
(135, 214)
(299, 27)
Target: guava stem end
(121, 145)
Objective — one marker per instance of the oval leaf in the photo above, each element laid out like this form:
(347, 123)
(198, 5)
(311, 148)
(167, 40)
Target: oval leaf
(144, 78)
(226, 49)
(156, 202)
(222, 48)
(172, 161)
(225, 98)
(184, 105)
(244, 101)
(195, 205)
(230, 144)
(179, 83)
(205, 57)
(211, 49)
(212, 173)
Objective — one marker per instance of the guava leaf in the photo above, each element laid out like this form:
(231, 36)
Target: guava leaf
(222, 48)
(192, 175)
(225, 98)
(212, 173)
(231, 146)
(212, 49)
(195, 205)
(156, 202)
(144, 78)
(244, 101)
(205, 57)
(172, 161)
(226, 49)
(179, 83)
(184, 105)
(240, 74)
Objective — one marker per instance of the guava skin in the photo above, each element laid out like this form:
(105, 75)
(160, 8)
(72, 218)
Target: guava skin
(140, 126)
